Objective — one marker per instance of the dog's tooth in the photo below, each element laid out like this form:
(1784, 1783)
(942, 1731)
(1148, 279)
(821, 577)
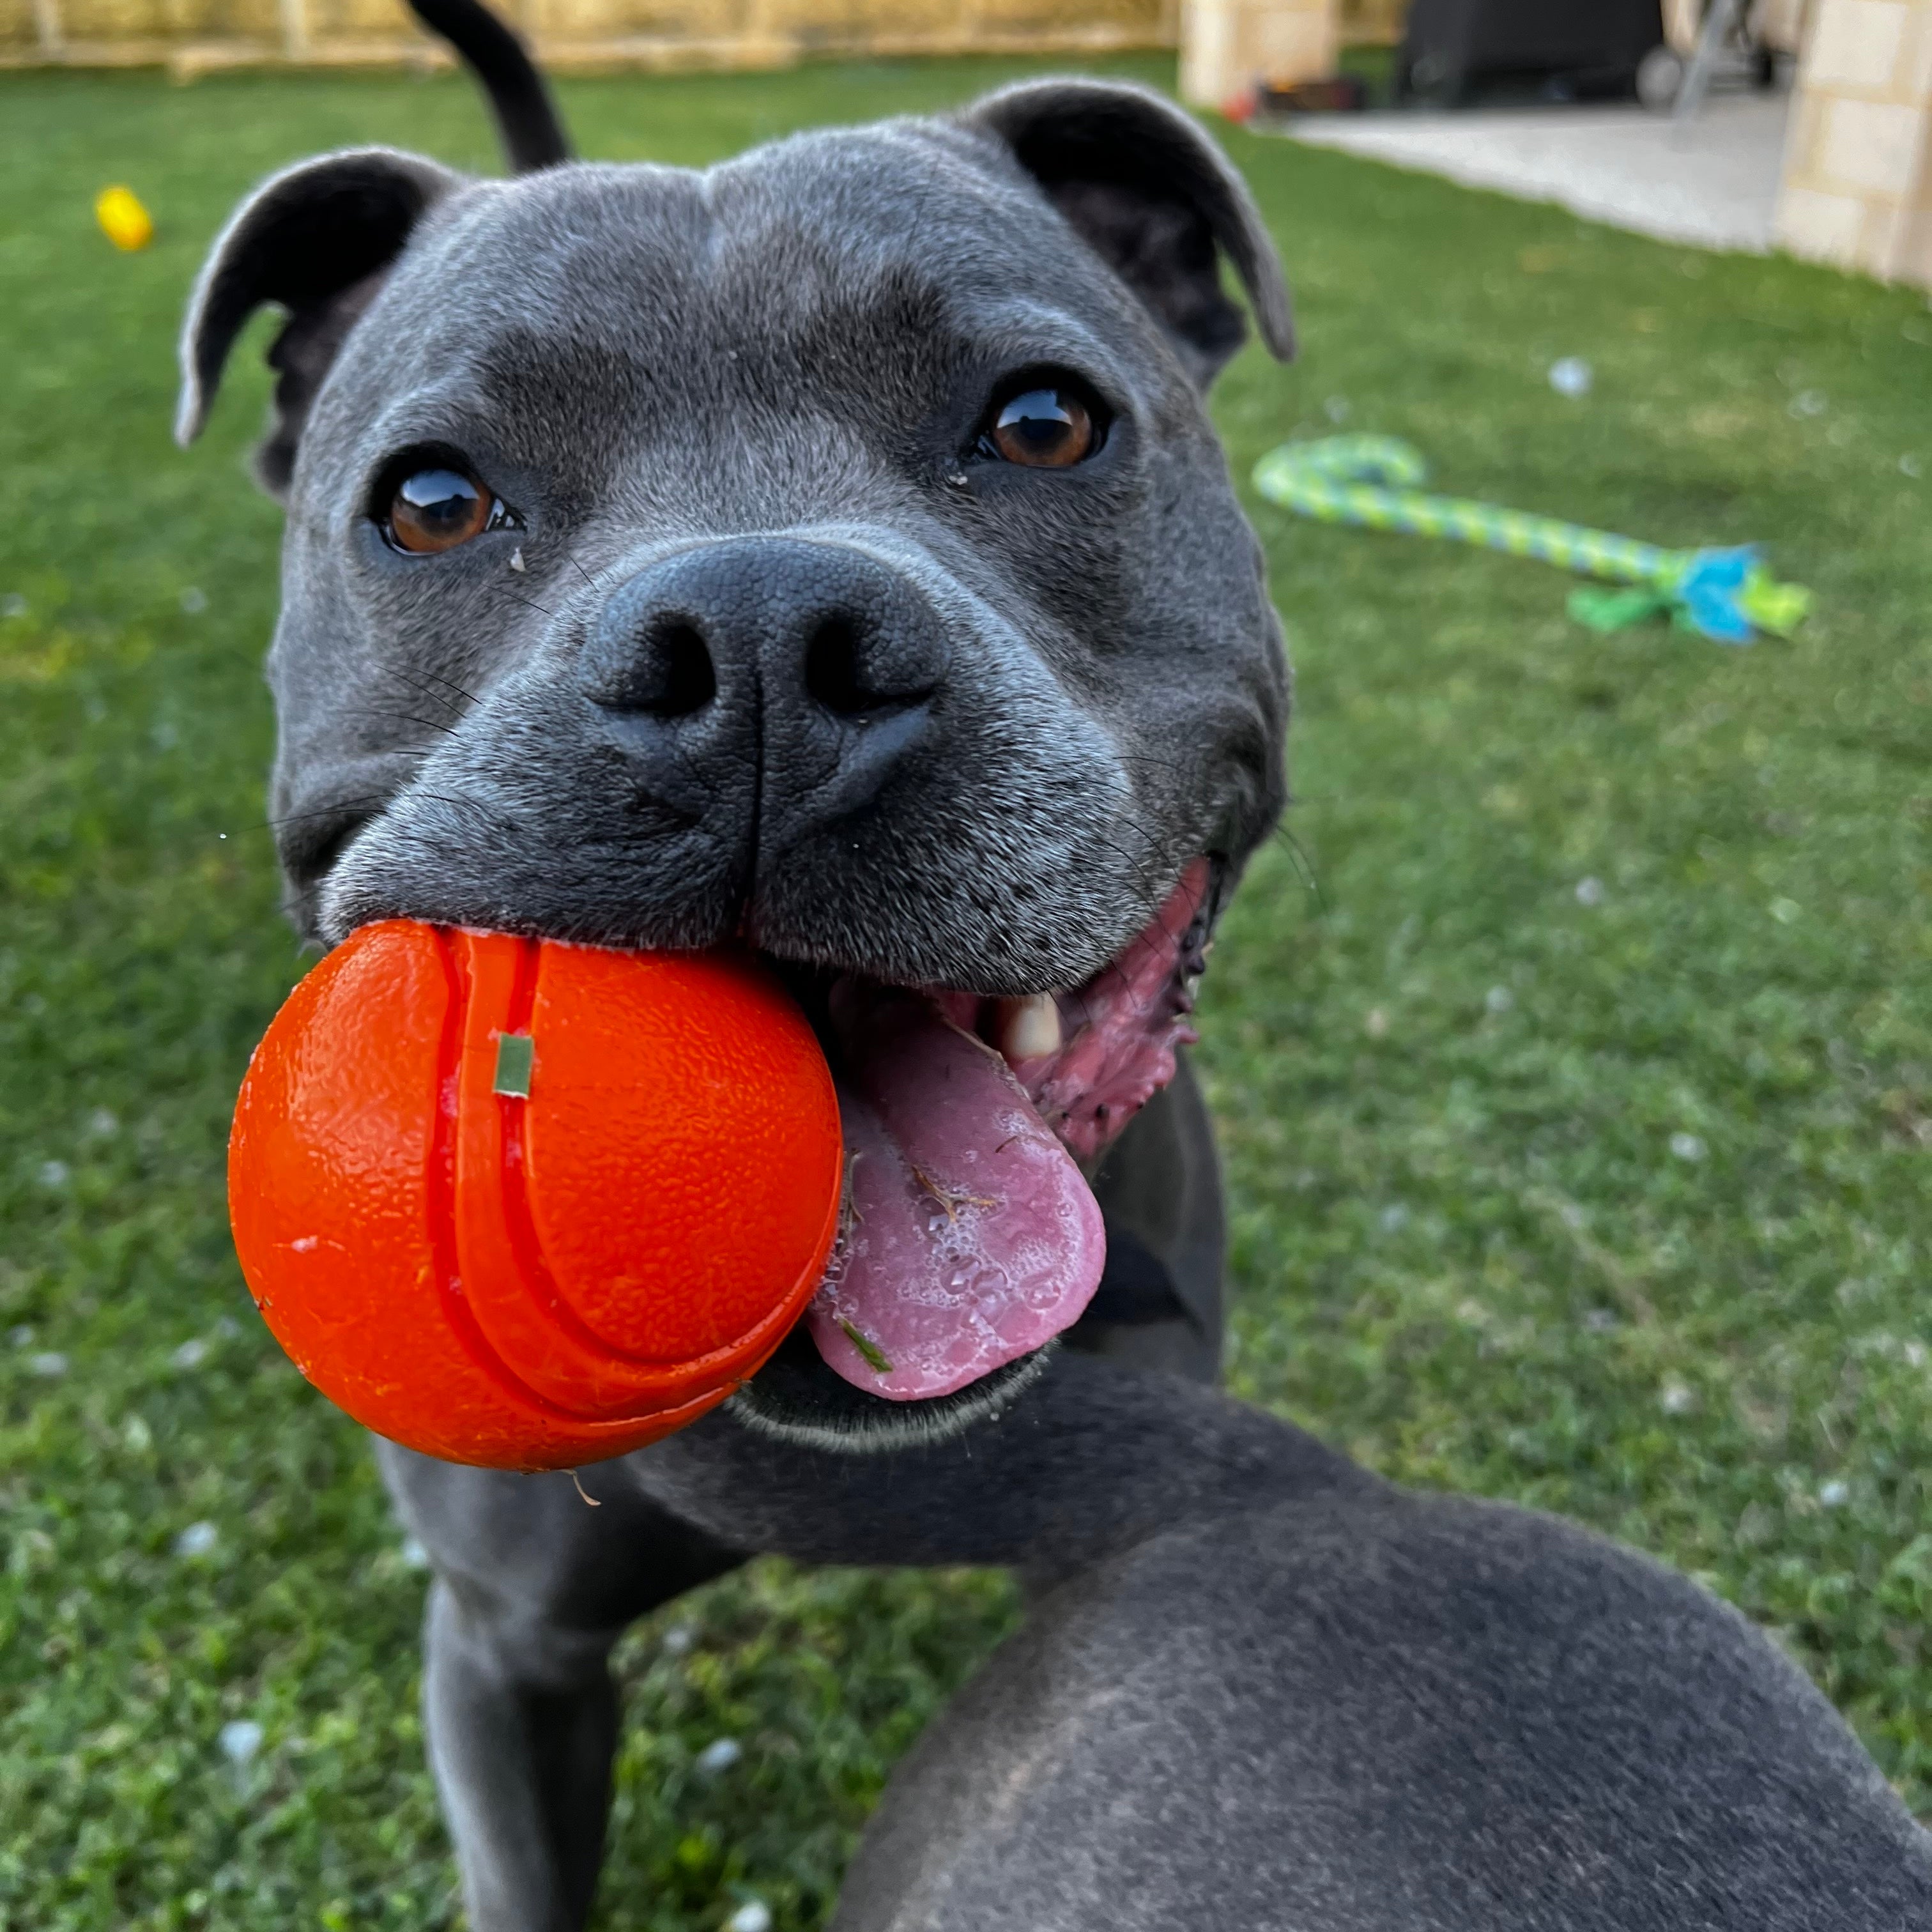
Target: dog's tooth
(1026, 1029)
(516, 559)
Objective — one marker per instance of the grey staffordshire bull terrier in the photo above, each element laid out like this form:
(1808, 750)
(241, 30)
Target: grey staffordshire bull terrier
(829, 553)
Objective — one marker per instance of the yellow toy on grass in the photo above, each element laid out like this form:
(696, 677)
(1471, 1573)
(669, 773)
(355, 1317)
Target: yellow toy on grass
(123, 220)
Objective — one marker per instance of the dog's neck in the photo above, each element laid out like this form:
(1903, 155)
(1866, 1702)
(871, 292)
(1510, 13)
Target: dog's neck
(1090, 1461)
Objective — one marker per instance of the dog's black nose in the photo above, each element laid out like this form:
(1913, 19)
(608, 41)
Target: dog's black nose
(808, 667)
(818, 622)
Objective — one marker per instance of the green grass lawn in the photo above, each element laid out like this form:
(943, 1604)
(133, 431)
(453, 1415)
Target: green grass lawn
(1610, 1197)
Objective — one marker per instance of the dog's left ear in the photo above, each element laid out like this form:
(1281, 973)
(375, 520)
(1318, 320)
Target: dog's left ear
(316, 241)
(1156, 198)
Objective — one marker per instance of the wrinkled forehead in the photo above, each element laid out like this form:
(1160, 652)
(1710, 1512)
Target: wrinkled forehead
(900, 259)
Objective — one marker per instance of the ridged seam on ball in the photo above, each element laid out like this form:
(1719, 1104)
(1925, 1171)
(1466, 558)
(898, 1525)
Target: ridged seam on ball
(657, 1387)
(655, 1383)
(439, 1202)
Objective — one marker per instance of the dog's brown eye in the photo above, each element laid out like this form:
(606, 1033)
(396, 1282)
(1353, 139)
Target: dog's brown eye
(1045, 428)
(437, 509)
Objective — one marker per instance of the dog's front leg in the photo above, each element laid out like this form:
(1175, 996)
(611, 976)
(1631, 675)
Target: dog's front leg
(521, 1727)
(533, 1587)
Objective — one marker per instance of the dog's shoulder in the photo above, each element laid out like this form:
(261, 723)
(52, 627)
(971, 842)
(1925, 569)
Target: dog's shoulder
(1369, 1707)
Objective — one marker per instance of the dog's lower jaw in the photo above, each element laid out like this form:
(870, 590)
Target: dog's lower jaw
(796, 1399)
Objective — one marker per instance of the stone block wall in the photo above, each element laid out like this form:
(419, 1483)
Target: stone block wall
(1226, 46)
(1857, 173)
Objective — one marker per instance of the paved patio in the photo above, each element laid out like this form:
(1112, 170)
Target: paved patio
(1712, 183)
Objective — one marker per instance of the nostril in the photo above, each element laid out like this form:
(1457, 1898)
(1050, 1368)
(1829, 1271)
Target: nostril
(832, 675)
(856, 668)
(662, 667)
(684, 679)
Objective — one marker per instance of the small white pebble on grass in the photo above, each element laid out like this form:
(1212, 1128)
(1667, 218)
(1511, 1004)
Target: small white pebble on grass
(54, 1173)
(1600, 1321)
(415, 1556)
(228, 1327)
(753, 1915)
(1787, 912)
(1571, 375)
(1677, 1398)
(21, 1337)
(1835, 1495)
(1498, 999)
(194, 600)
(1375, 1023)
(240, 1740)
(1590, 892)
(190, 1354)
(49, 1365)
(101, 1123)
(1808, 403)
(1687, 1147)
(678, 1639)
(1910, 466)
(720, 1754)
(197, 1540)
(13, 605)
(1394, 1217)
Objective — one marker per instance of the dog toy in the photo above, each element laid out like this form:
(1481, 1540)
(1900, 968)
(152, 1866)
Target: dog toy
(1725, 594)
(123, 220)
(526, 1205)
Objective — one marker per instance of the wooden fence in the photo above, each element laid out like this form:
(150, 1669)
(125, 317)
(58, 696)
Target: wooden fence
(194, 37)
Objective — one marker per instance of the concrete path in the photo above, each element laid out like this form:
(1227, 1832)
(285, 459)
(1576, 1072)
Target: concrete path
(1712, 183)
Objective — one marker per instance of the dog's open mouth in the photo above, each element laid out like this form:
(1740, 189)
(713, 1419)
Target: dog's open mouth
(970, 1237)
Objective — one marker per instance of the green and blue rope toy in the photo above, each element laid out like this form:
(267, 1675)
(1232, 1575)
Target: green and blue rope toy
(1726, 595)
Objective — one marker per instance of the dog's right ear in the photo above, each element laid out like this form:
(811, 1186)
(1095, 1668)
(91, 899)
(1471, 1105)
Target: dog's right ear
(316, 240)
(1157, 201)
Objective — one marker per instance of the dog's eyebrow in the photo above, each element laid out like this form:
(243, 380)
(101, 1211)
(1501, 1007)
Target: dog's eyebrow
(443, 410)
(1029, 315)
(1021, 330)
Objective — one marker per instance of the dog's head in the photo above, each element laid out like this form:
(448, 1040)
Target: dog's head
(827, 553)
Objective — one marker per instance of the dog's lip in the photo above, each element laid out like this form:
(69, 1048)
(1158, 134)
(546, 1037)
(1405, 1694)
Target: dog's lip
(986, 1014)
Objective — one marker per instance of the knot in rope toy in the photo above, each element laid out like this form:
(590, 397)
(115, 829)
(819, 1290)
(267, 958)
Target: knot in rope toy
(1374, 481)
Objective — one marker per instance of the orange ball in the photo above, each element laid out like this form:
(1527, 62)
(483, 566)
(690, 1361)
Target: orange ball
(517, 1203)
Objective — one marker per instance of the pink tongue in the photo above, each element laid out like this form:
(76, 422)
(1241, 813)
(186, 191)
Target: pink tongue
(972, 1237)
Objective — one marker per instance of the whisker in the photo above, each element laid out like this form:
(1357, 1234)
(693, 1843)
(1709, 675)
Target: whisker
(320, 811)
(269, 826)
(450, 684)
(496, 819)
(1303, 864)
(403, 717)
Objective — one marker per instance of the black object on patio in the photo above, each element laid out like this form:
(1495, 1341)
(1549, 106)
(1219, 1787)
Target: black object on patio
(1564, 49)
